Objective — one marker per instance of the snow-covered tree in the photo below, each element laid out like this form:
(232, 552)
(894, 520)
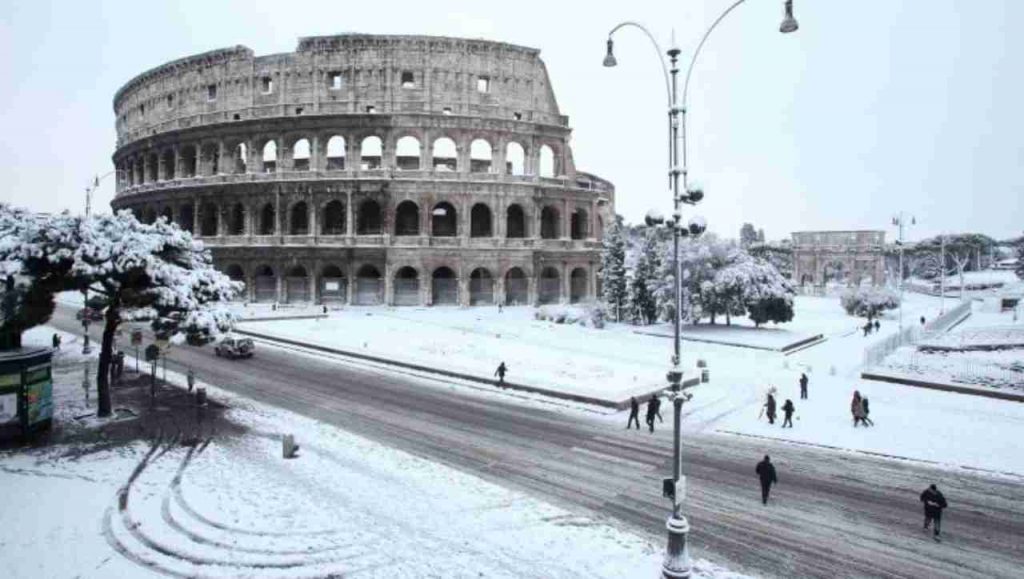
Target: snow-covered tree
(869, 302)
(613, 269)
(768, 294)
(1020, 258)
(154, 273)
(780, 255)
(642, 301)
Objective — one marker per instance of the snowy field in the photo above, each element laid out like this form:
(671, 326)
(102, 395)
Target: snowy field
(613, 363)
(236, 508)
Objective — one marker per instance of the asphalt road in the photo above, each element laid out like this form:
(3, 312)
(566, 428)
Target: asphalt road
(833, 514)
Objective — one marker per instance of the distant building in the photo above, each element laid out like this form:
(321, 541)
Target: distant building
(838, 257)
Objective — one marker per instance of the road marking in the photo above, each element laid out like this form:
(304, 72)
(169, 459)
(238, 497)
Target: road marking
(612, 458)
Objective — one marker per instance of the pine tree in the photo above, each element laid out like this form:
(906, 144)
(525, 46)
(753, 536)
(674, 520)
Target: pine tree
(642, 300)
(748, 235)
(613, 269)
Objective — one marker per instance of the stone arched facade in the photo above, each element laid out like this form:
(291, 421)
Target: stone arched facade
(838, 257)
(299, 162)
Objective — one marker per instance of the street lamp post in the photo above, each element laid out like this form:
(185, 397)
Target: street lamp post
(677, 559)
(900, 221)
(86, 348)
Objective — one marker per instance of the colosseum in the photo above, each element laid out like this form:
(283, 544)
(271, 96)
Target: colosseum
(359, 169)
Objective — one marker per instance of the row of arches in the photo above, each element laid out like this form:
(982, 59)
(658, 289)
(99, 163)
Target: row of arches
(369, 220)
(410, 287)
(303, 154)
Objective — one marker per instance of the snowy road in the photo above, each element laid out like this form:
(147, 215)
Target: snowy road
(834, 514)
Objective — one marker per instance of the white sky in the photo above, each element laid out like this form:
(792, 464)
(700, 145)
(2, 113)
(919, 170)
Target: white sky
(872, 107)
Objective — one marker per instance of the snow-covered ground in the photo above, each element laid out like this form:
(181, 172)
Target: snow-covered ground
(234, 507)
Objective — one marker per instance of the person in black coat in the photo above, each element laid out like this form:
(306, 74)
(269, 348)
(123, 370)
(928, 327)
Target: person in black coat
(766, 472)
(500, 373)
(634, 413)
(877, 326)
(788, 410)
(657, 408)
(867, 411)
(934, 502)
(652, 411)
(803, 386)
(769, 407)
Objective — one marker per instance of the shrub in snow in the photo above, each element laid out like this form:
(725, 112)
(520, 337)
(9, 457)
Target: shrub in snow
(869, 302)
(593, 316)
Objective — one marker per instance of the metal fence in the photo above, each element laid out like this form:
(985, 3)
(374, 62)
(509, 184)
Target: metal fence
(876, 353)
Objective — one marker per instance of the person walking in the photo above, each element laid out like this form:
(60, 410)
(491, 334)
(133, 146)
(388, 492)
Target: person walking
(803, 386)
(191, 379)
(56, 341)
(657, 408)
(857, 408)
(769, 407)
(766, 473)
(877, 326)
(634, 413)
(788, 410)
(922, 320)
(934, 502)
(500, 373)
(652, 411)
(867, 412)
(867, 329)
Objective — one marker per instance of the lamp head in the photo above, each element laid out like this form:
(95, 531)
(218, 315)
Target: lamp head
(788, 22)
(653, 218)
(609, 59)
(697, 225)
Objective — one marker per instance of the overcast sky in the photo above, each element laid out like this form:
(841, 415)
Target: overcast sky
(873, 106)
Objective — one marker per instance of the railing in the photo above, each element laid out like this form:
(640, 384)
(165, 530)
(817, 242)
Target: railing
(876, 353)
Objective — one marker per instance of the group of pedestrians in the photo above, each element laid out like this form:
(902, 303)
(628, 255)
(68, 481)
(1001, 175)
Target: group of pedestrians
(869, 326)
(788, 408)
(860, 409)
(653, 411)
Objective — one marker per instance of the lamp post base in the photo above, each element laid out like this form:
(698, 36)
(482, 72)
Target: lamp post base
(677, 560)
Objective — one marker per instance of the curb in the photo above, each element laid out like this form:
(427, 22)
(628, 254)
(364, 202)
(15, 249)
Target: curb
(940, 386)
(869, 453)
(787, 349)
(450, 374)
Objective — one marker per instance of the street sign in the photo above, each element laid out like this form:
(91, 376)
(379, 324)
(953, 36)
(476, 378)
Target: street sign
(674, 490)
(136, 337)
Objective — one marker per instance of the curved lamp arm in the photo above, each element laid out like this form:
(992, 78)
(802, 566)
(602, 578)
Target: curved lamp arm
(696, 53)
(657, 48)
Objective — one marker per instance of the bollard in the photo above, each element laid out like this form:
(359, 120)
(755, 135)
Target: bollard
(702, 363)
(705, 376)
(288, 447)
(201, 396)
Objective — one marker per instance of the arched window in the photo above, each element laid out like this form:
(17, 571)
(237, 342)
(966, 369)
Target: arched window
(578, 226)
(550, 286)
(209, 220)
(240, 160)
(299, 219)
(446, 156)
(336, 153)
(333, 285)
(407, 287)
(480, 221)
(265, 284)
(168, 162)
(547, 162)
(481, 287)
(371, 152)
(235, 272)
(369, 221)
(148, 215)
(268, 220)
(407, 219)
(549, 223)
(517, 287)
(578, 285)
(515, 159)
(444, 287)
(515, 222)
(270, 156)
(333, 222)
(188, 161)
(211, 159)
(236, 220)
(368, 286)
(480, 156)
(443, 220)
(297, 285)
(187, 217)
(407, 153)
(300, 155)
